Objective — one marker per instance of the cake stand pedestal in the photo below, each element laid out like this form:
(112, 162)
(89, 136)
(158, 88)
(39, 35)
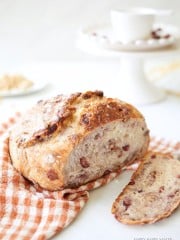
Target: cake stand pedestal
(135, 87)
(132, 86)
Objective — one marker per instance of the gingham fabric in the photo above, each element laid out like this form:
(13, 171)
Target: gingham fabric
(28, 213)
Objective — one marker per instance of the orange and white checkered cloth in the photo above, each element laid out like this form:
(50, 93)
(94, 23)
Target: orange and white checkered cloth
(30, 213)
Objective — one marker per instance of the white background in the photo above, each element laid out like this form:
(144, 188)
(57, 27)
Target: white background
(46, 30)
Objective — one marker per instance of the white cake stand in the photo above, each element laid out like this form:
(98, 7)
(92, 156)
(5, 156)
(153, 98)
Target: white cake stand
(132, 85)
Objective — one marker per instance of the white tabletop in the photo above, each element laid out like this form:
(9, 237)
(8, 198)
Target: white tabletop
(163, 118)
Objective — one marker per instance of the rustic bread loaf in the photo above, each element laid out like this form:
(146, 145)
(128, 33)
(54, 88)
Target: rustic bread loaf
(68, 141)
(153, 192)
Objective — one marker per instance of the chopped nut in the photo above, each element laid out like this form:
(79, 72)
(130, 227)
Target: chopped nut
(84, 163)
(127, 203)
(125, 147)
(161, 189)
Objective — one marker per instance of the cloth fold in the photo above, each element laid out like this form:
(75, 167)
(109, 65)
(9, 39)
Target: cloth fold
(28, 212)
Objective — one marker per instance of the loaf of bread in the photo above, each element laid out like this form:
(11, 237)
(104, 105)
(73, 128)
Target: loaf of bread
(70, 140)
(153, 192)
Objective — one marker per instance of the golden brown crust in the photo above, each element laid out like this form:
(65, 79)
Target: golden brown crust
(106, 112)
(55, 114)
(138, 172)
(52, 115)
(90, 94)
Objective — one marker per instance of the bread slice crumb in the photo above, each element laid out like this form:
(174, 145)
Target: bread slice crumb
(153, 192)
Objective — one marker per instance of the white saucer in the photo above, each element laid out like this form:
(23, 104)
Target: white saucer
(102, 36)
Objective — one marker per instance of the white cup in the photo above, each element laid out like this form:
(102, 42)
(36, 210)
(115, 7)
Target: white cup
(132, 24)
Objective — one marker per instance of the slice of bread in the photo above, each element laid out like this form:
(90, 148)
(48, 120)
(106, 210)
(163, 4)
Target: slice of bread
(153, 192)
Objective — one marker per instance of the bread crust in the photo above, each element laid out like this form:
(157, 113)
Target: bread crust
(57, 113)
(45, 136)
(132, 181)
